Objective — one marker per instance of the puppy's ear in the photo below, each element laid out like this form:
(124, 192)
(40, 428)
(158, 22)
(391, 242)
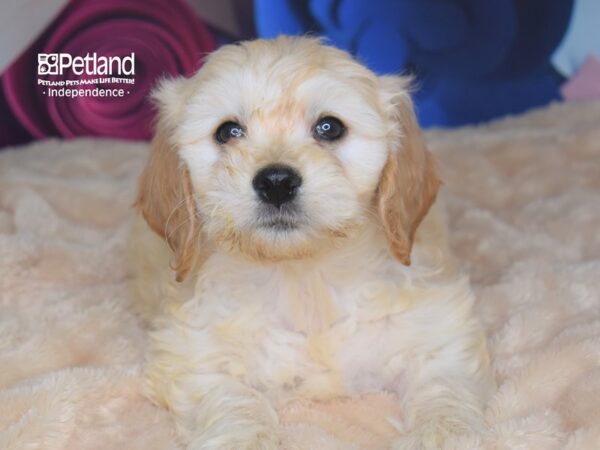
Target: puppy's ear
(410, 179)
(165, 194)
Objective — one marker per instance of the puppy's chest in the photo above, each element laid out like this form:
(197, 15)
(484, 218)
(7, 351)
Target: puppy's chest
(311, 338)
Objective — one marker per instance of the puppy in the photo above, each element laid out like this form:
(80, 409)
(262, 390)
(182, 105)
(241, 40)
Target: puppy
(290, 250)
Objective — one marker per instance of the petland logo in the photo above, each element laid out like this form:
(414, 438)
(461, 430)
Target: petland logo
(58, 63)
(116, 71)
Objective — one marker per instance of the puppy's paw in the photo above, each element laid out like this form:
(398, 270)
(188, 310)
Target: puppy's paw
(236, 436)
(441, 434)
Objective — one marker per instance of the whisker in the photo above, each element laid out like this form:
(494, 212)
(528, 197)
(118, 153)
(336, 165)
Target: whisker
(169, 234)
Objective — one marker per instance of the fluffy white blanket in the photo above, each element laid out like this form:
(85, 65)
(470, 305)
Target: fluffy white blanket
(524, 202)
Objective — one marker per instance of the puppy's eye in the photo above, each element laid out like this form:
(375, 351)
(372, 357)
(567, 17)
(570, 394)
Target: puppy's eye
(229, 130)
(329, 129)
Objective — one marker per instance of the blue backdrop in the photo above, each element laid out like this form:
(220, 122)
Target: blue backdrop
(473, 59)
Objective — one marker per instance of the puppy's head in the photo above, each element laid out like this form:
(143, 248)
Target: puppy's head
(279, 149)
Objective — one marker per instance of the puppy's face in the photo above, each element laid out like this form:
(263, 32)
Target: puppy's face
(278, 149)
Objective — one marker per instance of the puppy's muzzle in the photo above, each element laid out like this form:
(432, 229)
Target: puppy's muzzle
(276, 184)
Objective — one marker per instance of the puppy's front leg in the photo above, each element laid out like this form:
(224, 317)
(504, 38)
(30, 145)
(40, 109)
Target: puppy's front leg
(443, 414)
(218, 412)
(204, 389)
(215, 411)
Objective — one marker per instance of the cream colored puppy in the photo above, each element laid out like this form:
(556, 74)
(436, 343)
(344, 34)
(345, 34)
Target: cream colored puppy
(286, 187)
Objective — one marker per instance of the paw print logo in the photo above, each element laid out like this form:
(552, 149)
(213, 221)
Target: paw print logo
(47, 64)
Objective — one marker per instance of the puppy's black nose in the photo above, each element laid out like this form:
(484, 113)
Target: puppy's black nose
(276, 184)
